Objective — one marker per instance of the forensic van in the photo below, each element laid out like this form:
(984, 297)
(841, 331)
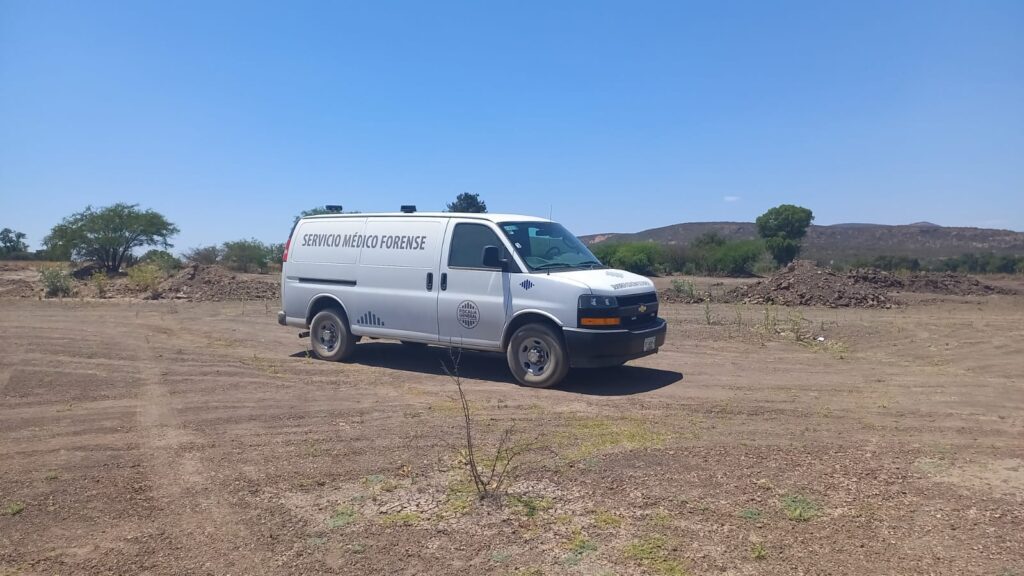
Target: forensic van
(519, 285)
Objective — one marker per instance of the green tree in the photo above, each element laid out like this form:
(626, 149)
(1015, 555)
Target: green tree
(467, 202)
(12, 241)
(782, 228)
(247, 255)
(108, 235)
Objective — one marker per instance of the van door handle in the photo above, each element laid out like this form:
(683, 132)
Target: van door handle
(444, 280)
(430, 281)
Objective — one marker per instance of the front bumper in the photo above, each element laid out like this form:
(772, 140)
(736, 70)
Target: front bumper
(597, 348)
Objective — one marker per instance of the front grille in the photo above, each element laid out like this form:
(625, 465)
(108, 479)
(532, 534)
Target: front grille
(629, 309)
(637, 299)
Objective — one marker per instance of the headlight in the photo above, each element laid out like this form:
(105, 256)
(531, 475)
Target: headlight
(595, 302)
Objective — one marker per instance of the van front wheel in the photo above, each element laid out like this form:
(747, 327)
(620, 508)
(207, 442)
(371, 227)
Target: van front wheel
(330, 336)
(537, 356)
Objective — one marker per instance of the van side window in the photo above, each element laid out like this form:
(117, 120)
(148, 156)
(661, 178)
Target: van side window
(468, 241)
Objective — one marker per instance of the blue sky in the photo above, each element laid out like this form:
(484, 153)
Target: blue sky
(616, 116)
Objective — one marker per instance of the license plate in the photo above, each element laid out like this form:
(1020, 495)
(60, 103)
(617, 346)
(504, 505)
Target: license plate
(650, 344)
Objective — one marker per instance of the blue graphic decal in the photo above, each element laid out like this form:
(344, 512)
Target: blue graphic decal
(526, 284)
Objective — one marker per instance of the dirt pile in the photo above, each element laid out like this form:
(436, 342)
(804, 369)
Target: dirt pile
(802, 283)
(949, 283)
(201, 283)
(18, 288)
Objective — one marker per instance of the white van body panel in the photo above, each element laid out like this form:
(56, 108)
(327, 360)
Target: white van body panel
(396, 276)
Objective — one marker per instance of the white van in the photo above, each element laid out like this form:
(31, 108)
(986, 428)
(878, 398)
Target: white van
(520, 285)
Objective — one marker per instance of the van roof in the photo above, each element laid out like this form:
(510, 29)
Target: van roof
(479, 216)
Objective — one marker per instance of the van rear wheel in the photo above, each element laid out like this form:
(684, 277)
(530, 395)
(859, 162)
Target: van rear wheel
(537, 356)
(330, 336)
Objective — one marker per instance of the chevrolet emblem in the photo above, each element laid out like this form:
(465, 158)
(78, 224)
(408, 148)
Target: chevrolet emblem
(642, 308)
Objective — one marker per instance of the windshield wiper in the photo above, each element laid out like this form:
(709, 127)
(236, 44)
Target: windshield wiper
(592, 263)
(551, 265)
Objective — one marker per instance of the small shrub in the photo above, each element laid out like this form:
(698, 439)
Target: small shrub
(750, 514)
(401, 518)
(145, 277)
(343, 516)
(758, 551)
(57, 282)
(799, 508)
(683, 289)
(100, 281)
(13, 509)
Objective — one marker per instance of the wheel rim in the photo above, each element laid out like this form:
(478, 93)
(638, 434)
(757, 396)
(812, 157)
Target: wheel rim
(327, 335)
(535, 356)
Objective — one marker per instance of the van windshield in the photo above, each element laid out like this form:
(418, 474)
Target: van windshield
(548, 246)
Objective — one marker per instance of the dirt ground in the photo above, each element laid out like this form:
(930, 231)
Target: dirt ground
(165, 437)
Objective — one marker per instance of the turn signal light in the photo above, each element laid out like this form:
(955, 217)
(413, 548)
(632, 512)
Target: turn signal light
(600, 321)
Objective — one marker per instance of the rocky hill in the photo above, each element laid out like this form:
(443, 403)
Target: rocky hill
(842, 242)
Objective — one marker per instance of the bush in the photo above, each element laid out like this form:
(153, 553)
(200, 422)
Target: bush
(204, 255)
(645, 258)
(162, 259)
(145, 277)
(100, 282)
(247, 255)
(57, 282)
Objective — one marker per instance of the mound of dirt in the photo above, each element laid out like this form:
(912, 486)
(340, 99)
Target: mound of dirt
(201, 283)
(950, 283)
(17, 288)
(803, 283)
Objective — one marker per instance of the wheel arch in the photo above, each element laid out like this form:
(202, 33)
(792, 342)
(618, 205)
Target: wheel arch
(322, 302)
(527, 317)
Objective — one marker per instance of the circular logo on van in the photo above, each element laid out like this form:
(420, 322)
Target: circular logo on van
(468, 314)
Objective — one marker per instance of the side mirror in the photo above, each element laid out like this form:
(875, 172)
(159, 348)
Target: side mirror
(492, 258)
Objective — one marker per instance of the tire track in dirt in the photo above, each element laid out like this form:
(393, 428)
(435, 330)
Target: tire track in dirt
(191, 504)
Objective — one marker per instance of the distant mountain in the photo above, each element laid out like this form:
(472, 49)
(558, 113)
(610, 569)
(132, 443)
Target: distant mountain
(843, 242)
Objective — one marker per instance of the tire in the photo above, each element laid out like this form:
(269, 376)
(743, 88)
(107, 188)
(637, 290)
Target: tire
(330, 337)
(537, 357)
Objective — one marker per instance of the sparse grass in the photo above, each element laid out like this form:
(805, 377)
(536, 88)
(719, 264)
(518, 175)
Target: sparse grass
(578, 547)
(265, 365)
(605, 519)
(758, 551)
(529, 571)
(579, 544)
(799, 508)
(461, 495)
(500, 556)
(343, 516)
(661, 518)
(52, 475)
(530, 506)
(751, 514)
(13, 509)
(401, 518)
(708, 317)
(652, 553)
(769, 324)
(592, 435)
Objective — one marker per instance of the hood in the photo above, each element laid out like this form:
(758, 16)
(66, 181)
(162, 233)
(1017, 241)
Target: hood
(609, 282)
